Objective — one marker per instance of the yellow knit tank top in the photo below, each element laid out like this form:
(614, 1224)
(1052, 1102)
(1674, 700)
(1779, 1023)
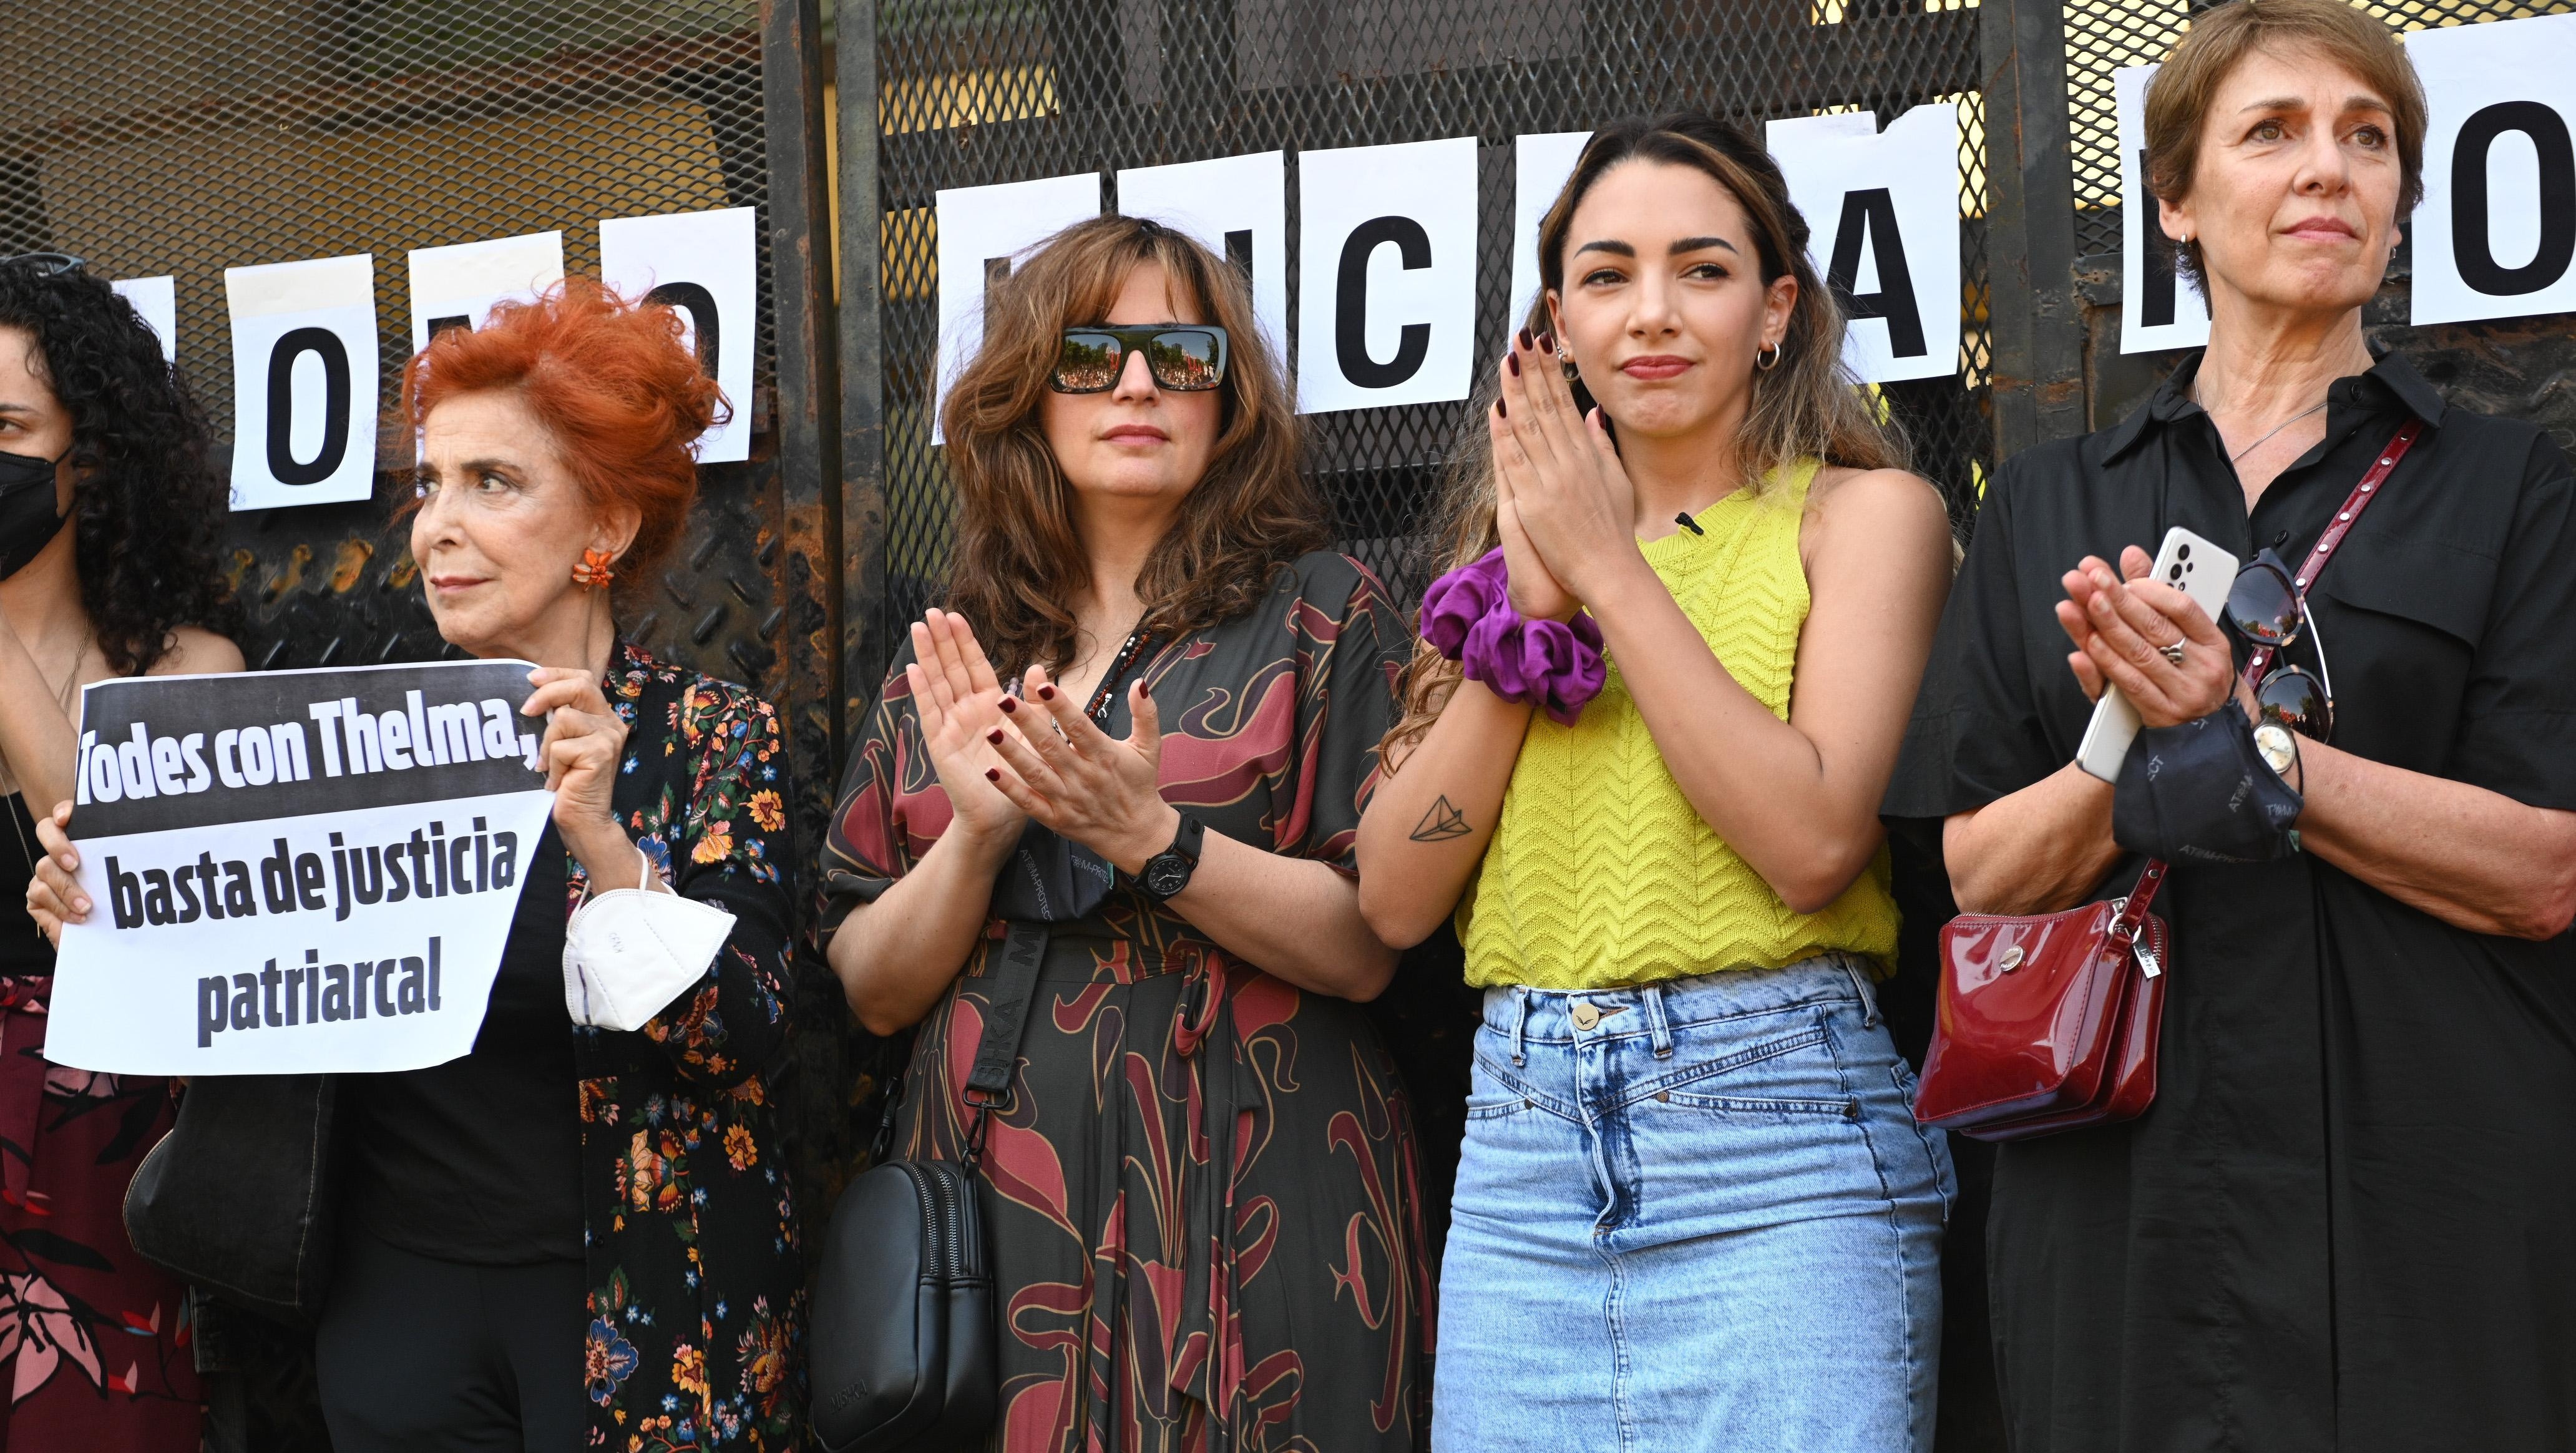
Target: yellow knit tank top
(1600, 873)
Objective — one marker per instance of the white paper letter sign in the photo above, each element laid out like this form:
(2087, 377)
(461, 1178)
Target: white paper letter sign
(982, 232)
(304, 381)
(1882, 209)
(2496, 234)
(706, 266)
(1540, 165)
(1235, 207)
(295, 871)
(1387, 291)
(2159, 308)
(455, 287)
(157, 300)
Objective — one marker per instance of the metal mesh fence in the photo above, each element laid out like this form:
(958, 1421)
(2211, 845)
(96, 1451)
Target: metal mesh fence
(2105, 36)
(975, 92)
(181, 139)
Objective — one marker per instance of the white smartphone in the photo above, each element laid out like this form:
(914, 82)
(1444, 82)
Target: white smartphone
(2198, 569)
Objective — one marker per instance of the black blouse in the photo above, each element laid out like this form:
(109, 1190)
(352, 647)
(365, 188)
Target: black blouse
(478, 1160)
(2345, 1221)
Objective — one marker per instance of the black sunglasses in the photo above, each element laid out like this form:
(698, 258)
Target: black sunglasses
(1187, 359)
(45, 264)
(2266, 606)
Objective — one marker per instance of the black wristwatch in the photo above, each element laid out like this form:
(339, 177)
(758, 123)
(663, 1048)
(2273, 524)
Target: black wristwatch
(1168, 872)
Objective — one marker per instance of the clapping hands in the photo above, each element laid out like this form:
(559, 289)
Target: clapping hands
(1564, 505)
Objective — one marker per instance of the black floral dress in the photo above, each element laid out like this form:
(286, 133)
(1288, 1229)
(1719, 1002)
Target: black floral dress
(696, 1302)
(1203, 1198)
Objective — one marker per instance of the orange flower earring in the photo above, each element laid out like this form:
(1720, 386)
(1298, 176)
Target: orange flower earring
(593, 570)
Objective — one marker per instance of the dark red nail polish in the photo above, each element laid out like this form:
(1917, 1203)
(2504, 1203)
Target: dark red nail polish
(1046, 693)
(1526, 340)
(1547, 341)
(1009, 705)
(1501, 410)
(994, 736)
(992, 774)
(1512, 361)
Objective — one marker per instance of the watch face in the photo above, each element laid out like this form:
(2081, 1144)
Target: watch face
(2278, 747)
(1166, 875)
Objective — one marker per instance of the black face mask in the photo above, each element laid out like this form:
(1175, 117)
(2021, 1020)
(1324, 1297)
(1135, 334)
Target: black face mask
(28, 521)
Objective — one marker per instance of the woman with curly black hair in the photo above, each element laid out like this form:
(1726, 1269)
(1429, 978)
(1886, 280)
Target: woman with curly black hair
(97, 432)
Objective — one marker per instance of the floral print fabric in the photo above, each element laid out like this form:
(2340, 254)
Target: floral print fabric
(94, 1341)
(1202, 1199)
(696, 1308)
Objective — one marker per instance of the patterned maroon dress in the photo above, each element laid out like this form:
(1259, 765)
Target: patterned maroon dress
(1203, 1199)
(94, 1341)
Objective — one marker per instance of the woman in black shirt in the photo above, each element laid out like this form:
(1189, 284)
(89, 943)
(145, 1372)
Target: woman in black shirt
(2343, 1224)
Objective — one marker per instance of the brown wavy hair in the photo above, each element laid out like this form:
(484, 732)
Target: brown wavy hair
(1019, 564)
(1805, 405)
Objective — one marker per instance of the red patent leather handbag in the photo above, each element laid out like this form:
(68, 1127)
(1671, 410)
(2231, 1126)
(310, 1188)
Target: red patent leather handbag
(2047, 1022)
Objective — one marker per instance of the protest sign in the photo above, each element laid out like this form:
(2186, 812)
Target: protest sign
(1237, 208)
(304, 365)
(295, 871)
(1387, 248)
(2495, 236)
(706, 267)
(1883, 207)
(2160, 306)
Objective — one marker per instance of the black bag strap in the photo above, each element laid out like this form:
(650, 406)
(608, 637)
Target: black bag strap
(1006, 1022)
(1014, 988)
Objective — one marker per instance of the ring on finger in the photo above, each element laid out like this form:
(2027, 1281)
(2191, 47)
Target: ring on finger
(2172, 651)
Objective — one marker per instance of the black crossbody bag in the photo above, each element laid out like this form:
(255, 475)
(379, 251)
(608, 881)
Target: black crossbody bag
(902, 1352)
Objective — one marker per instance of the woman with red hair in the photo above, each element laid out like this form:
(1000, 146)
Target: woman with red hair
(578, 1234)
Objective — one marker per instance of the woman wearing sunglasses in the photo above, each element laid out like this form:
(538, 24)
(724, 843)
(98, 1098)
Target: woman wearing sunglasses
(1116, 783)
(2342, 1224)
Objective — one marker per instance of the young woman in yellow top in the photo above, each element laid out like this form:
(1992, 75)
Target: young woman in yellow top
(1693, 1208)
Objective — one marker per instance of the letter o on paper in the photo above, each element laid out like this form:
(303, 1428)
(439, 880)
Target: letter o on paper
(258, 767)
(700, 305)
(2472, 243)
(1350, 303)
(325, 346)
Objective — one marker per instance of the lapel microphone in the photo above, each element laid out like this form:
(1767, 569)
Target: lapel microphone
(1686, 522)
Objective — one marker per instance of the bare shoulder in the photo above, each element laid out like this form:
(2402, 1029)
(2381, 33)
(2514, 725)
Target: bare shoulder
(195, 651)
(1873, 517)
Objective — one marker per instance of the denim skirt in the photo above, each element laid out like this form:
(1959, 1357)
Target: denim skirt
(1693, 1215)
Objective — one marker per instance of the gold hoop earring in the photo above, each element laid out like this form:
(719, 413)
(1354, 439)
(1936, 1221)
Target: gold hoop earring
(1767, 358)
(1565, 365)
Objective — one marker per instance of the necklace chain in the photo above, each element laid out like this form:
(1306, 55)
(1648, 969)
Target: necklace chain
(2239, 455)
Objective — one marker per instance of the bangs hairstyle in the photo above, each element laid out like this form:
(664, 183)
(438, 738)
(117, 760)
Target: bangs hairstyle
(621, 395)
(1807, 404)
(2179, 98)
(1018, 564)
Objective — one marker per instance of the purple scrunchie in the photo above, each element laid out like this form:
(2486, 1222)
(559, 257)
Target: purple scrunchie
(1467, 616)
